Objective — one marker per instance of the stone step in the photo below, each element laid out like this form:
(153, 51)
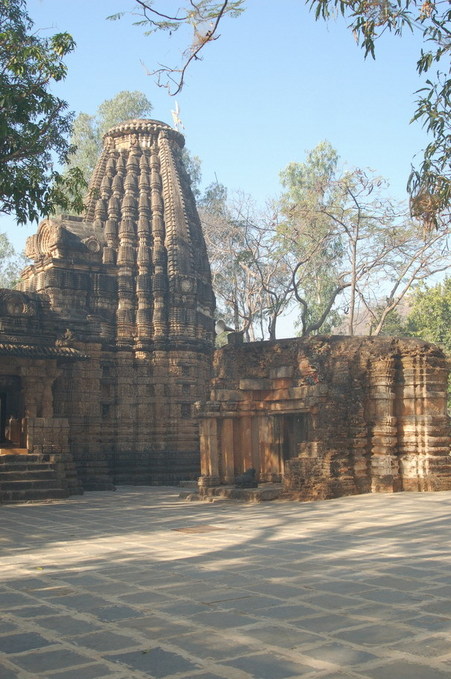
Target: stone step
(32, 495)
(33, 483)
(20, 459)
(13, 451)
(27, 474)
(23, 468)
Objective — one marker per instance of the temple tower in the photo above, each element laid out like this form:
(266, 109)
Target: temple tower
(131, 282)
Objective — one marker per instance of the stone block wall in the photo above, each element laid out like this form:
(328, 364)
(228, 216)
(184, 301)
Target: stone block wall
(329, 416)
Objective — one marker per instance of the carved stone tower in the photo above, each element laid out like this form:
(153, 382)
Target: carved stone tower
(131, 281)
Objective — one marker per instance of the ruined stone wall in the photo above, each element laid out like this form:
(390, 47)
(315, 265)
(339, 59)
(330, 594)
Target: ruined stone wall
(329, 416)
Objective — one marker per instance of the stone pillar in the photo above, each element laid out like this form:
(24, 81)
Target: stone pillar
(209, 453)
(269, 457)
(423, 423)
(384, 463)
(227, 450)
(245, 449)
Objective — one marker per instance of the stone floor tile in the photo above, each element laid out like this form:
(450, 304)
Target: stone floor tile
(67, 625)
(430, 622)
(339, 654)
(375, 635)
(284, 637)
(18, 643)
(32, 611)
(81, 602)
(7, 672)
(326, 623)
(251, 603)
(142, 597)
(115, 612)
(204, 675)
(265, 666)
(53, 592)
(156, 627)
(155, 662)
(440, 607)
(402, 669)
(335, 601)
(15, 600)
(44, 661)
(214, 645)
(94, 671)
(392, 596)
(222, 619)
(182, 609)
(106, 641)
(7, 626)
(292, 611)
(431, 647)
(344, 586)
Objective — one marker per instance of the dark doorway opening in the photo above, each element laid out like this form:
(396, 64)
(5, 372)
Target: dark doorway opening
(294, 429)
(11, 410)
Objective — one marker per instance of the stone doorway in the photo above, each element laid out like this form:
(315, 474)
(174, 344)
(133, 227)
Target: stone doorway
(11, 411)
(292, 429)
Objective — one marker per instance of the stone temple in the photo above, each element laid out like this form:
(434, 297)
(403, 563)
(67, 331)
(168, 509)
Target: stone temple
(107, 344)
(108, 373)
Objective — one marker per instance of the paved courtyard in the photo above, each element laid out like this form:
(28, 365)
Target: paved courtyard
(137, 584)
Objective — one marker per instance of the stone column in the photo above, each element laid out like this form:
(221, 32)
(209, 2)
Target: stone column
(227, 450)
(384, 462)
(423, 427)
(209, 452)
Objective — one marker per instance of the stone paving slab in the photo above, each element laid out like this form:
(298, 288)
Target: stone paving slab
(135, 584)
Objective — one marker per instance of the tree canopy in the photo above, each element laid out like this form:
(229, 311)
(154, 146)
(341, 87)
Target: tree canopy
(429, 184)
(88, 131)
(34, 124)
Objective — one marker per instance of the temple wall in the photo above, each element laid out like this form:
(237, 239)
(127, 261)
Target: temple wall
(132, 416)
(329, 416)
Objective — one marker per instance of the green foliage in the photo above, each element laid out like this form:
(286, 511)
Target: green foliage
(308, 233)
(193, 167)
(88, 131)
(124, 106)
(430, 184)
(394, 324)
(11, 263)
(33, 122)
(347, 239)
(430, 317)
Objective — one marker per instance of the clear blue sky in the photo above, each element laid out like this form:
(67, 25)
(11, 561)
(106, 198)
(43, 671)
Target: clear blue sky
(274, 85)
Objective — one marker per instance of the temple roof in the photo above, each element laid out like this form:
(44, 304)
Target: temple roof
(135, 265)
(40, 351)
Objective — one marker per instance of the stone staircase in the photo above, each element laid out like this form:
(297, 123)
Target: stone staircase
(26, 477)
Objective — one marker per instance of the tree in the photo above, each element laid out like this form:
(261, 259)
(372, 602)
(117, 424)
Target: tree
(203, 16)
(250, 276)
(11, 263)
(428, 317)
(430, 184)
(34, 124)
(88, 131)
(350, 242)
(430, 314)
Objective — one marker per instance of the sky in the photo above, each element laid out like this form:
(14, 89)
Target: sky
(273, 86)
